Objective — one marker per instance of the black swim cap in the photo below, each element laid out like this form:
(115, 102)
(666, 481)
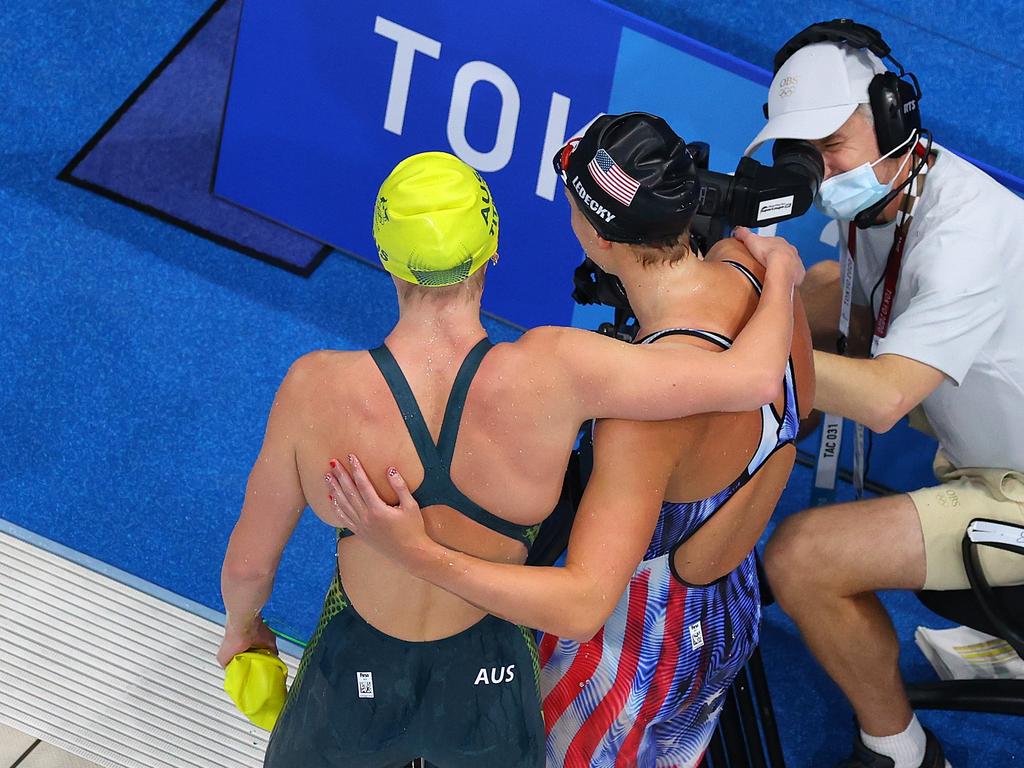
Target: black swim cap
(632, 177)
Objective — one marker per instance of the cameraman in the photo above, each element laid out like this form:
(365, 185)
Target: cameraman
(937, 320)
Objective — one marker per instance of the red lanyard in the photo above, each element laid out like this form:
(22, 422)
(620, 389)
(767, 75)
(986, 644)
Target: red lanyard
(892, 273)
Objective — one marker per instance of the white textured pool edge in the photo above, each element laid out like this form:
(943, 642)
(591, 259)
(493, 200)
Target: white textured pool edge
(113, 669)
(128, 579)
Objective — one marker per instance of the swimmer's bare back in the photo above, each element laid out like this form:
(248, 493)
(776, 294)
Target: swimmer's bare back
(714, 448)
(511, 443)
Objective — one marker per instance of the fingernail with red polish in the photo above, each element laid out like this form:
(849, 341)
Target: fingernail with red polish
(330, 497)
(333, 463)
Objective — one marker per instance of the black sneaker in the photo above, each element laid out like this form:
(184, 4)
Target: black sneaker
(863, 757)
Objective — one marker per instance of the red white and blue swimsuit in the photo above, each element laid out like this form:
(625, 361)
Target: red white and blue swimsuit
(647, 689)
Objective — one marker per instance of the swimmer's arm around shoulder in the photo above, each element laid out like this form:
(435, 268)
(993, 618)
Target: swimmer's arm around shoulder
(273, 504)
(611, 532)
(608, 379)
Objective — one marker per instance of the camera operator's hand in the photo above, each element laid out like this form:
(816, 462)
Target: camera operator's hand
(775, 253)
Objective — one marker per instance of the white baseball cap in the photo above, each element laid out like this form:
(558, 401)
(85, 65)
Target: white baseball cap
(815, 91)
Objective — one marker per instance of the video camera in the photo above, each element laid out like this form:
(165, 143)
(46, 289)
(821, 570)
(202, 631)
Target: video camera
(756, 195)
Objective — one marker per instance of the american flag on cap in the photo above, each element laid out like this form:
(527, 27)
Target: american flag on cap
(612, 179)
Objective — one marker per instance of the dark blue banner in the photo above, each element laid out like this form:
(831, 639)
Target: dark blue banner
(327, 97)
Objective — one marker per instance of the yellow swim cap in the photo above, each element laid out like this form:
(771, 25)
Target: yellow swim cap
(434, 221)
(255, 681)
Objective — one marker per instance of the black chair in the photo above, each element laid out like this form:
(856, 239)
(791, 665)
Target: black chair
(998, 611)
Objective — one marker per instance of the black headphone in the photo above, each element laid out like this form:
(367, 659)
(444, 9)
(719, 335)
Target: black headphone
(894, 97)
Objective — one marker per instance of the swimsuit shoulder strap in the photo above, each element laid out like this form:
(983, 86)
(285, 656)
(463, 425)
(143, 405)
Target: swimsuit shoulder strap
(746, 271)
(437, 486)
(407, 405)
(457, 400)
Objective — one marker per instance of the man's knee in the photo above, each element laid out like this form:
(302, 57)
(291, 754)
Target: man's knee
(823, 275)
(795, 558)
(791, 555)
(847, 549)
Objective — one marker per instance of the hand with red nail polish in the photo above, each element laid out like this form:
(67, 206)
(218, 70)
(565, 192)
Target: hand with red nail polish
(391, 530)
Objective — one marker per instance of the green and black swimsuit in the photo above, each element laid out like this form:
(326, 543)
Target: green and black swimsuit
(364, 699)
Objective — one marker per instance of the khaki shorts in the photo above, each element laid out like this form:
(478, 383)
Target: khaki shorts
(945, 511)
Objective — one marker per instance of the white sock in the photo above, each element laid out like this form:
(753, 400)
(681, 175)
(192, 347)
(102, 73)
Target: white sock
(906, 749)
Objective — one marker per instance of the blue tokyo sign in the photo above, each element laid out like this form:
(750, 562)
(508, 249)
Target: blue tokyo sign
(327, 97)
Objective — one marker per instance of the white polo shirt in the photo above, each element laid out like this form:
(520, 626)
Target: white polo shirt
(959, 307)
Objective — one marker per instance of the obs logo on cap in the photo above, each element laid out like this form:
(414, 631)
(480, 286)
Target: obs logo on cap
(787, 86)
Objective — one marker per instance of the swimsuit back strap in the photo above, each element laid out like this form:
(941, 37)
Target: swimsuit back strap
(456, 499)
(437, 486)
(715, 338)
(746, 271)
(457, 401)
(409, 408)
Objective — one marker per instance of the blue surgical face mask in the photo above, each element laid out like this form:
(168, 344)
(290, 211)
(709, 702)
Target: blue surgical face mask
(845, 195)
